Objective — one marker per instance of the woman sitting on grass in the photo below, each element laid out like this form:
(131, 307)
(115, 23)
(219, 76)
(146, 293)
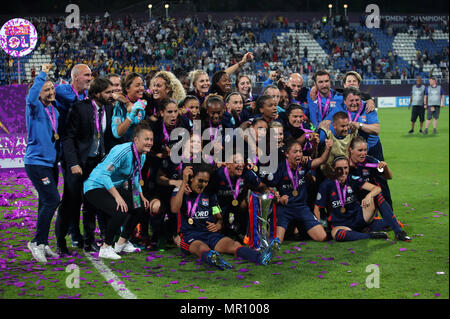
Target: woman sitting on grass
(200, 222)
(346, 215)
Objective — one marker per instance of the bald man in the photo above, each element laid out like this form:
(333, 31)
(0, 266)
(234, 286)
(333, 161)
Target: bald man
(66, 96)
(69, 94)
(297, 92)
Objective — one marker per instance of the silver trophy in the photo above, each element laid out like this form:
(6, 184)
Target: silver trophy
(261, 220)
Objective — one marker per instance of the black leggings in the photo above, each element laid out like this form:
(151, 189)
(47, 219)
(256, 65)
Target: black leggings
(101, 199)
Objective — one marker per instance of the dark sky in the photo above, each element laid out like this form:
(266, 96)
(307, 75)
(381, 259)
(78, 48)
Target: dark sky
(393, 6)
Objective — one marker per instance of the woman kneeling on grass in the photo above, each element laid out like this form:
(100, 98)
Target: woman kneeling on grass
(114, 188)
(347, 217)
(200, 221)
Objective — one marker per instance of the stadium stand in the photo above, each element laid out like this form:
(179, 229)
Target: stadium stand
(180, 45)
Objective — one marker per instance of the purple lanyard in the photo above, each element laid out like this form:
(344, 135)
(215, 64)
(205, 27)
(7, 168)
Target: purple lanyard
(98, 122)
(342, 195)
(371, 165)
(180, 166)
(138, 160)
(295, 180)
(76, 93)
(238, 183)
(52, 118)
(166, 134)
(357, 114)
(322, 112)
(211, 136)
(193, 208)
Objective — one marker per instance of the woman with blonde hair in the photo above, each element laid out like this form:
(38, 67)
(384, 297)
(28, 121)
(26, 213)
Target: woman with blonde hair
(200, 84)
(163, 85)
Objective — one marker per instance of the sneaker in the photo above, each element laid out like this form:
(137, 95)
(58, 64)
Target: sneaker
(425, 132)
(411, 132)
(378, 235)
(37, 252)
(401, 235)
(420, 131)
(108, 252)
(434, 131)
(49, 253)
(215, 259)
(61, 249)
(126, 247)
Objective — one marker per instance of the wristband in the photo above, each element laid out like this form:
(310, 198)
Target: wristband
(131, 116)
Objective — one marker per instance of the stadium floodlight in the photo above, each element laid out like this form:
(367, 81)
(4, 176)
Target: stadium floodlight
(330, 6)
(150, 6)
(167, 10)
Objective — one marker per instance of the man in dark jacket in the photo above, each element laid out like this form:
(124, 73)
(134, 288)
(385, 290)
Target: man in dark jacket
(87, 139)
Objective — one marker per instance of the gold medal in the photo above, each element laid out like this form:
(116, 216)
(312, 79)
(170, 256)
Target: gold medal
(255, 168)
(294, 192)
(342, 209)
(234, 202)
(141, 182)
(98, 135)
(190, 221)
(56, 136)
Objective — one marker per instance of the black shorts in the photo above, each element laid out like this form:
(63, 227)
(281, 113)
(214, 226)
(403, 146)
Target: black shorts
(433, 113)
(418, 111)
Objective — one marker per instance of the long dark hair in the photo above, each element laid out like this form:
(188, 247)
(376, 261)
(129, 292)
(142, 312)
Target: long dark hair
(215, 79)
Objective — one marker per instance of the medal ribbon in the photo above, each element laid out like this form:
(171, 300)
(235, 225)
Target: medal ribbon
(238, 182)
(52, 118)
(371, 165)
(342, 195)
(98, 122)
(295, 180)
(138, 160)
(357, 114)
(166, 134)
(211, 136)
(322, 112)
(193, 208)
(78, 95)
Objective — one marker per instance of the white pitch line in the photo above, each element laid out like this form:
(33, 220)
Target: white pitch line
(108, 275)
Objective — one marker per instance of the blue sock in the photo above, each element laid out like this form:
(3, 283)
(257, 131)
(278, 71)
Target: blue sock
(377, 225)
(387, 214)
(204, 257)
(248, 253)
(350, 235)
